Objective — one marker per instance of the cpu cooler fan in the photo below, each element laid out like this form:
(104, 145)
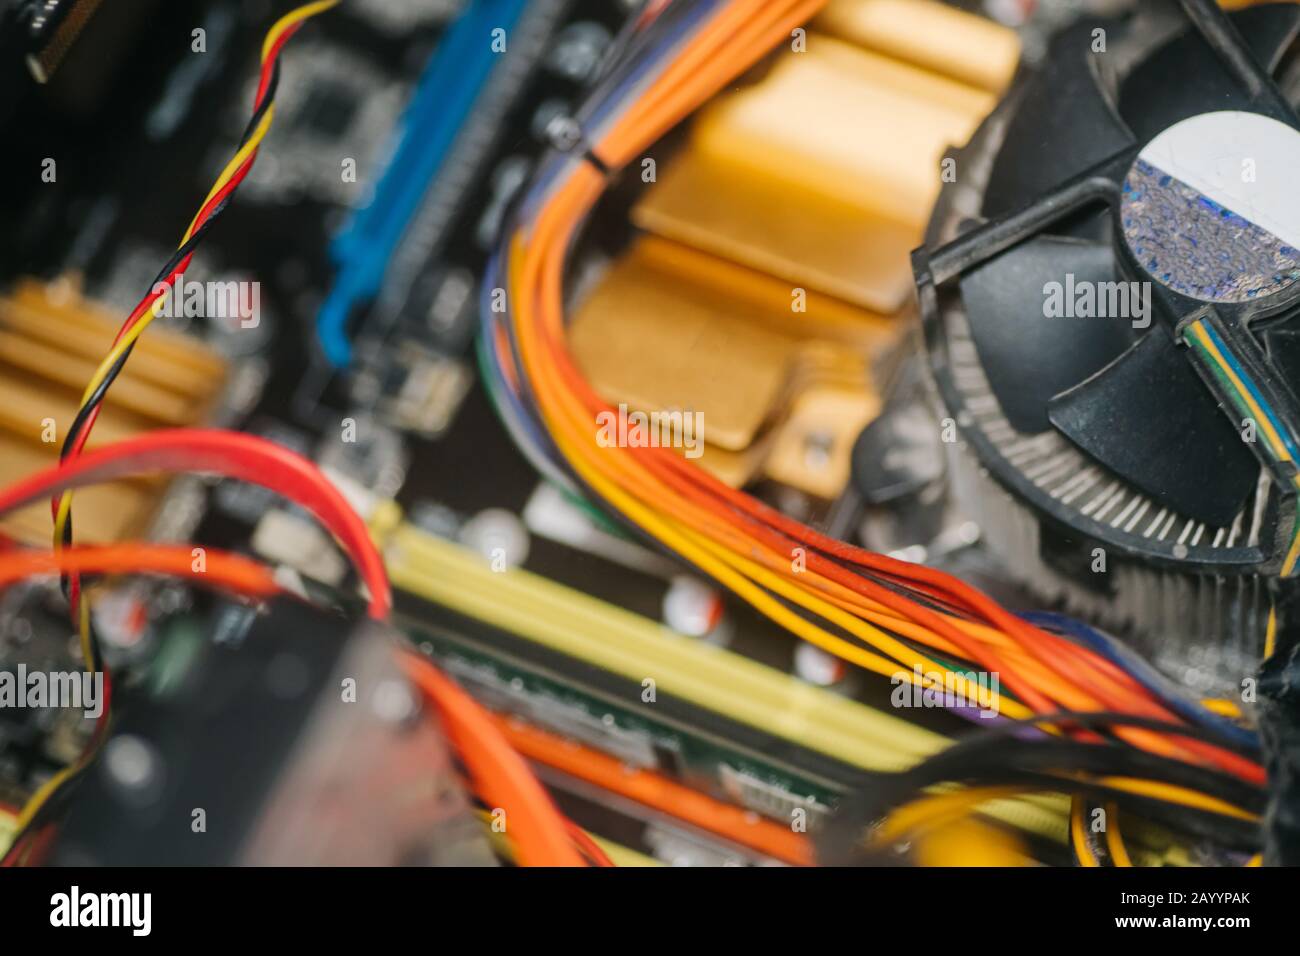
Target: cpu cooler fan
(1132, 200)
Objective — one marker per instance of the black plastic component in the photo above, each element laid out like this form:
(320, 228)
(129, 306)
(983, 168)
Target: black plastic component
(1123, 392)
(1152, 421)
(1053, 142)
(1149, 103)
(1283, 346)
(247, 746)
(1005, 301)
(899, 453)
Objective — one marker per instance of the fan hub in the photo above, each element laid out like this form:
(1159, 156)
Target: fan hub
(1210, 208)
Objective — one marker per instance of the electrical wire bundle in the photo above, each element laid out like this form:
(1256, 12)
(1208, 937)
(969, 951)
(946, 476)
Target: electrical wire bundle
(148, 309)
(542, 835)
(1079, 715)
(1207, 805)
(887, 616)
(111, 367)
(136, 323)
(539, 834)
(1280, 442)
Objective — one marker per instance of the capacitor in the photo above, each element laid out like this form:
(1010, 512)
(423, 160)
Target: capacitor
(693, 608)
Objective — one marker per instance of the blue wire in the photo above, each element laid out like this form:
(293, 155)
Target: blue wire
(596, 115)
(527, 422)
(1253, 389)
(593, 117)
(1143, 673)
(592, 114)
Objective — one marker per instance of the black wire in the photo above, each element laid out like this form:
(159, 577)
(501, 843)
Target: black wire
(1099, 848)
(97, 397)
(1093, 720)
(994, 758)
(268, 98)
(977, 761)
(79, 423)
(82, 419)
(185, 249)
(1224, 831)
(997, 746)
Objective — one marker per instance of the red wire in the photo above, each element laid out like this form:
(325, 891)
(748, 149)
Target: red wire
(269, 63)
(589, 847)
(232, 455)
(79, 443)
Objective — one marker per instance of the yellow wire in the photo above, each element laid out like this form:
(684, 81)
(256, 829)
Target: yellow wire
(1079, 834)
(748, 580)
(1275, 441)
(43, 793)
(241, 155)
(742, 576)
(1222, 706)
(83, 629)
(297, 15)
(937, 809)
(1114, 839)
(1293, 553)
(1171, 793)
(1278, 446)
(940, 808)
(255, 140)
(534, 273)
(532, 277)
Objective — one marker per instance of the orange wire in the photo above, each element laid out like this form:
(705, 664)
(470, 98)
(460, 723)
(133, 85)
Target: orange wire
(590, 847)
(695, 498)
(212, 566)
(502, 779)
(537, 828)
(739, 826)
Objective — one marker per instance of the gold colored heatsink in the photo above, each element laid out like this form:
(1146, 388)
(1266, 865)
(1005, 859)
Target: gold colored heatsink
(824, 171)
(774, 286)
(51, 341)
(784, 384)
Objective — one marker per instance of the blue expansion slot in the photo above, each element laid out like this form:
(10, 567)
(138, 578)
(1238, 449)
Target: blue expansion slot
(443, 101)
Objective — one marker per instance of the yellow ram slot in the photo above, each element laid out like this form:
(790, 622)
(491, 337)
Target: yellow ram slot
(588, 629)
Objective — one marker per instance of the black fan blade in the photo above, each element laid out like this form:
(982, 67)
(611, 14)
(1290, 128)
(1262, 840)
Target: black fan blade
(1185, 77)
(1065, 123)
(1151, 420)
(1029, 356)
